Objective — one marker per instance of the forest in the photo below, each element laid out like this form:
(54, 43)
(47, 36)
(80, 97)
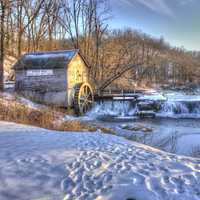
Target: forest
(129, 56)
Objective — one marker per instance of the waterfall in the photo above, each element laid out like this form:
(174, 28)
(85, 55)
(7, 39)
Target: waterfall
(114, 109)
(180, 109)
(171, 105)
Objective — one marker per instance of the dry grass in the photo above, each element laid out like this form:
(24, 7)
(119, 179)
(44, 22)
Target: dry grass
(12, 109)
(50, 118)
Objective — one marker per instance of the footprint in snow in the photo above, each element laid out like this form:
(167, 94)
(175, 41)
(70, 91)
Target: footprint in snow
(67, 185)
(178, 183)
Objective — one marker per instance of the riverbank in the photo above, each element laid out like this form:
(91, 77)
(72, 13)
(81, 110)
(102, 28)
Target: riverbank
(15, 108)
(175, 135)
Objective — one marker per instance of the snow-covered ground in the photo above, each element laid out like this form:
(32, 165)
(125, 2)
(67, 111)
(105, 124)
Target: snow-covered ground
(9, 98)
(38, 164)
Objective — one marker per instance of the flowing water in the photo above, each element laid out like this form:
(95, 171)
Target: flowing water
(175, 128)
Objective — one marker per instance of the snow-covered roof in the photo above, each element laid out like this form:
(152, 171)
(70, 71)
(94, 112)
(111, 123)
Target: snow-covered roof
(43, 60)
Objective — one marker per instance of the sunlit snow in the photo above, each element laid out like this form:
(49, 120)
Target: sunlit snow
(40, 164)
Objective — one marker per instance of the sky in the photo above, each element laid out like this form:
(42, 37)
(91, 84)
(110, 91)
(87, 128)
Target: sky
(178, 21)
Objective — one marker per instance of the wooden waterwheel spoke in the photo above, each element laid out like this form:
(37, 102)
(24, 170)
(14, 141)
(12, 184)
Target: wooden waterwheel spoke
(88, 95)
(82, 93)
(86, 90)
(90, 101)
(83, 98)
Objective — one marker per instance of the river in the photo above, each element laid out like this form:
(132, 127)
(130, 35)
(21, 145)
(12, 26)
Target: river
(174, 128)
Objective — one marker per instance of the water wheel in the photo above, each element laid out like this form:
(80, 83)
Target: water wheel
(83, 98)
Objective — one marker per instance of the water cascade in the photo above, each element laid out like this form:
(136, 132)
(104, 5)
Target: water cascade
(180, 109)
(175, 106)
(114, 109)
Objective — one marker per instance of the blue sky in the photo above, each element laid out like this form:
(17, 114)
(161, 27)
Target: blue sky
(178, 21)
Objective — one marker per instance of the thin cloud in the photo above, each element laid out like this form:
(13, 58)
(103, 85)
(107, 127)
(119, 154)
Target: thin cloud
(125, 2)
(158, 6)
(185, 2)
(128, 2)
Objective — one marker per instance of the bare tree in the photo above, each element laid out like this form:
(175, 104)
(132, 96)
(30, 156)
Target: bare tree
(113, 55)
(128, 50)
(85, 22)
(2, 12)
(24, 20)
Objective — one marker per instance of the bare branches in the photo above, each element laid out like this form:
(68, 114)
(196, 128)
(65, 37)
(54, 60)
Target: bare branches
(3, 8)
(28, 25)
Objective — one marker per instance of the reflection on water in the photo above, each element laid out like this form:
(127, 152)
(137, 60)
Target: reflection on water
(175, 129)
(181, 136)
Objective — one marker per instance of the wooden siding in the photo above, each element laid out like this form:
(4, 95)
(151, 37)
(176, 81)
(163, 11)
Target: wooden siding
(55, 82)
(47, 89)
(77, 72)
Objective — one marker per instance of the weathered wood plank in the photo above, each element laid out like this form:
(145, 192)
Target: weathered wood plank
(56, 82)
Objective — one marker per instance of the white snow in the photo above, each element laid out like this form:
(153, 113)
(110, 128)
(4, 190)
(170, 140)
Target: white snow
(170, 96)
(178, 96)
(41, 164)
(10, 98)
(31, 104)
(68, 54)
(153, 97)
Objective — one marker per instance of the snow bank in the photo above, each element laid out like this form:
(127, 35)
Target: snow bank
(31, 104)
(13, 97)
(40, 164)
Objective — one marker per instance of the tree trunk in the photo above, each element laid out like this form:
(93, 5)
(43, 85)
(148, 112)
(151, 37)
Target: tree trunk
(2, 44)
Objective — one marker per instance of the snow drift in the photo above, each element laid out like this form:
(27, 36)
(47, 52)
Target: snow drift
(39, 164)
